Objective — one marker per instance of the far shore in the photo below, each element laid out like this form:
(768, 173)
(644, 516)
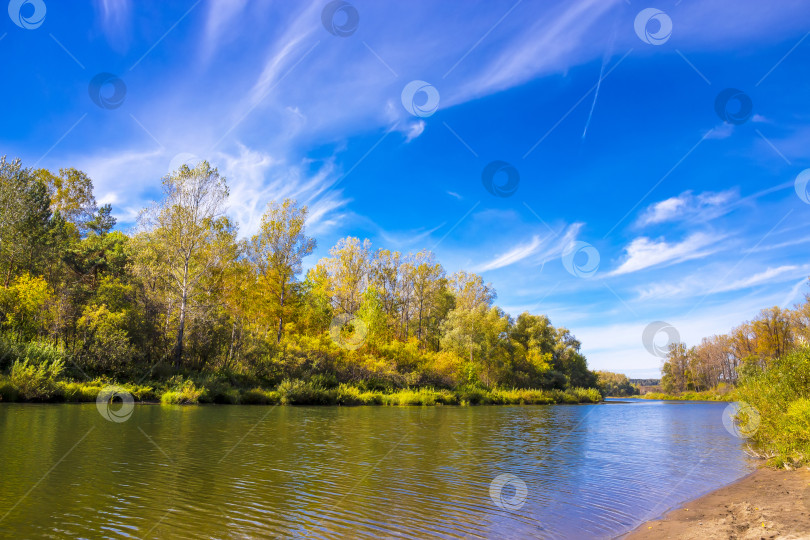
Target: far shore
(767, 503)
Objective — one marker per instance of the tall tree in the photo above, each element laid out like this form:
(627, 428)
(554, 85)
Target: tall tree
(71, 193)
(188, 236)
(427, 283)
(25, 219)
(277, 251)
(348, 268)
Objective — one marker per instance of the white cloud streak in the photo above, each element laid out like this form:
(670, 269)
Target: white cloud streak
(644, 253)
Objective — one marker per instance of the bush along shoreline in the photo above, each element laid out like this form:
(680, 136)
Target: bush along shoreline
(35, 385)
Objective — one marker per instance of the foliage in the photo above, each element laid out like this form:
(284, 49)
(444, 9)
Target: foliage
(615, 384)
(237, 320)
(26, 304)
(781, 395)
(182, 393)
(36, 382)
(720, 359)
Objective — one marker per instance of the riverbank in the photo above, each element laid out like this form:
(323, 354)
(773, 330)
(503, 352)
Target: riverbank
(769, 503)
(289, 392)
(688, 396)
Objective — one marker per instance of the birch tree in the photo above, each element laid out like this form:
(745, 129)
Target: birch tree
(189, 238)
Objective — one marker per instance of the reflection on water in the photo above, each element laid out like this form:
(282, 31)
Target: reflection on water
(333, 472)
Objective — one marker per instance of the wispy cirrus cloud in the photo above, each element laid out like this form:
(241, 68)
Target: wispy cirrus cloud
(516, 254)
(538, 247)
(413, 130)
(644, 252)
(700, 284)
(115, 17)
(688, 206)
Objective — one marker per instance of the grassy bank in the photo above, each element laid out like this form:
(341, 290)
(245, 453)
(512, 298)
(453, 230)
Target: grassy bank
(36, 385)
(710, 395)
(780, 397)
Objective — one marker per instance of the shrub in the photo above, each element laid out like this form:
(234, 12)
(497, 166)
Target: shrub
(586, 395)
(351, 395)
(36, 352)
(36, 382)
(421, 396)
(297, 392)
(183, 394)
(7, 390)
(80, 392)
(473, 395)
(219, 391)
(259, 396)
(106, 343)
(781, 396)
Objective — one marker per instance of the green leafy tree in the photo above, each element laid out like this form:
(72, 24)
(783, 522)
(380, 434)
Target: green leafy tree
(277, 253)
(24, 220)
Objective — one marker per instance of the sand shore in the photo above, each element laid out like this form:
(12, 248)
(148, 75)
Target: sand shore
(765, 504)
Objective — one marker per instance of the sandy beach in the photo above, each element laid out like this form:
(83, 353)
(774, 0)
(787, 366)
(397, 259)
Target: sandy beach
(765, 504)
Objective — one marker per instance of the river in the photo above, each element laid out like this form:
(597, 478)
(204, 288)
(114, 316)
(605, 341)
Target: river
(565, 471)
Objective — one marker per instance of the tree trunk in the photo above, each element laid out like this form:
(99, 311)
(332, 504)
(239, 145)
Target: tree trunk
(178, 346)
(280, 316)
(230, 349)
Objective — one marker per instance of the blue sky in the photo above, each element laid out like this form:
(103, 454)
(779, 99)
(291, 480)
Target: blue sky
(614, 135)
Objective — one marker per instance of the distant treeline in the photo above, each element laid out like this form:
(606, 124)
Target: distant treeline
(181, 296)
(721, 360)
(645, 382)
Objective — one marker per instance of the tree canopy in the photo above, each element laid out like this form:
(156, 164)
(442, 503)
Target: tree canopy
(183, 292)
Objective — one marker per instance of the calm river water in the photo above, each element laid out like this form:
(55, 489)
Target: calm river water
(587, 471)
